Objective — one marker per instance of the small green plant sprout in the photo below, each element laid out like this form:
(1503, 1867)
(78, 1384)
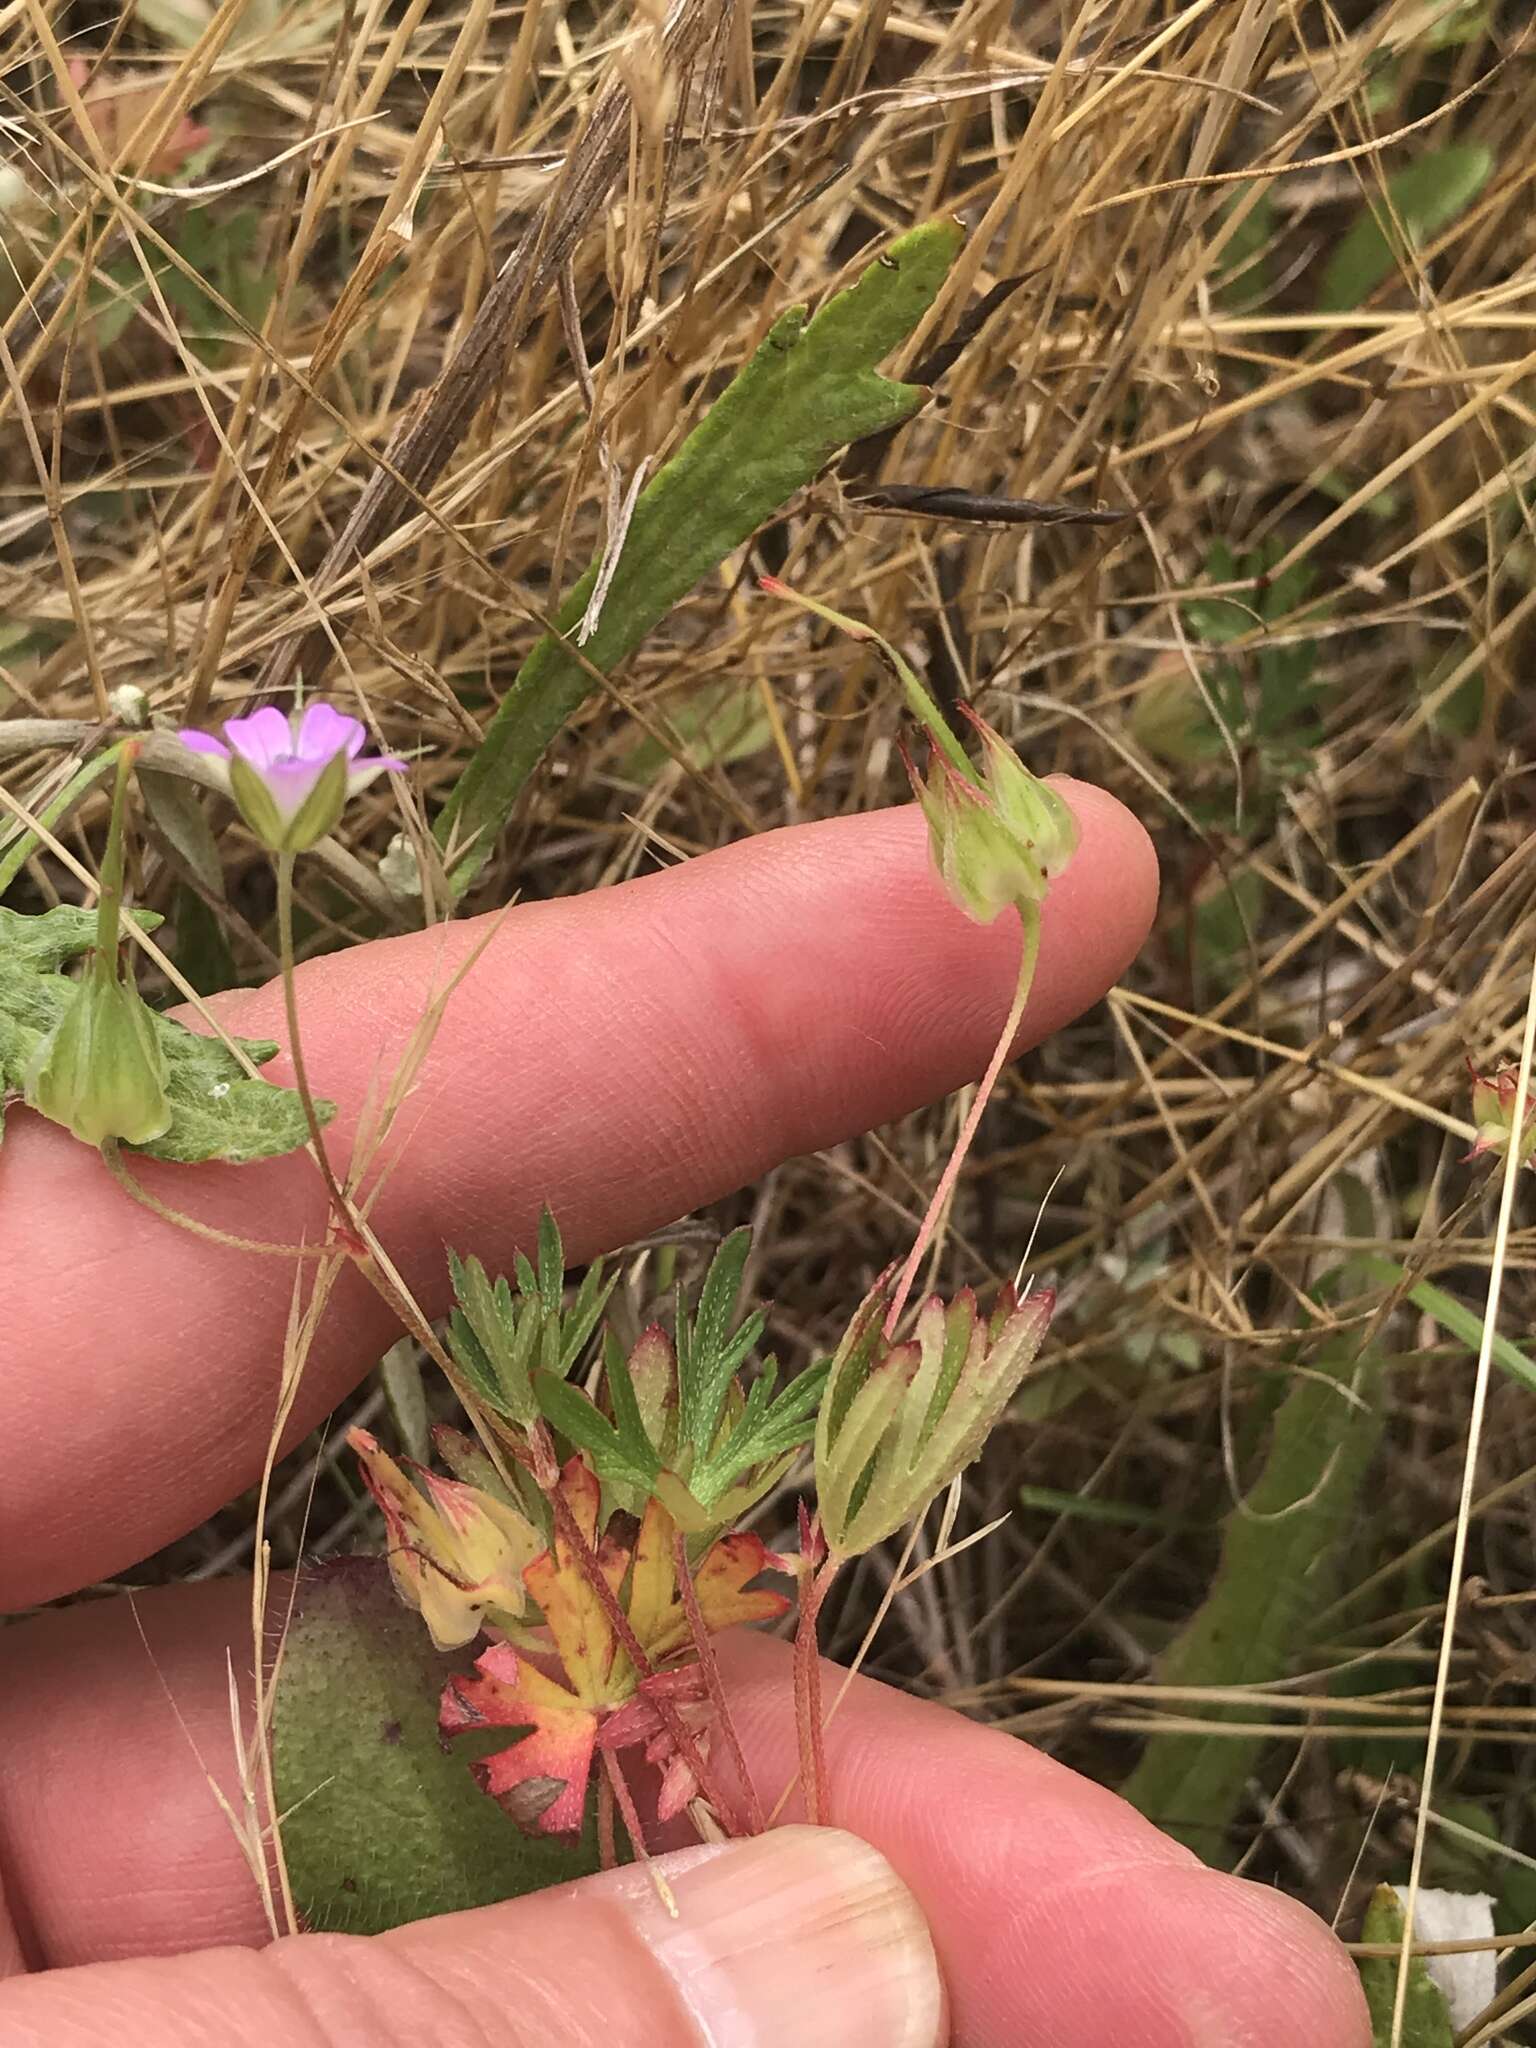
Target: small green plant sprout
(1493, 1112)
(500, 1337)
(101, 1070)
(457, 1552)
(679, 1425)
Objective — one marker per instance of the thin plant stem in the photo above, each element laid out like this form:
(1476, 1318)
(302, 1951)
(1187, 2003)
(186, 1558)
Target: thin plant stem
(808, 1725)
(339, 1201)
(634, 1827)
(709, 1665)
(607, 1843)
(112, 1158)
(1029, 924)
(574, 1537)
(1511, 1175)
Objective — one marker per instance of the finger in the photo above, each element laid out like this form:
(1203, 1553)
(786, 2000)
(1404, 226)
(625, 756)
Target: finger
(807, 1935)
(624, 1056)
(1061, 1918)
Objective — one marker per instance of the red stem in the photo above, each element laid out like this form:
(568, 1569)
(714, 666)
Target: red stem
(813, 1755)
(634, 1827)
(574, 1537)
(607, 1844)
(709, 1664)
(1030, 924)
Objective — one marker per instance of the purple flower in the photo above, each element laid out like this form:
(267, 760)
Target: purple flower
(291, 777)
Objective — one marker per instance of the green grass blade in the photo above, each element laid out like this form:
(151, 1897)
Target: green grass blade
(810, 389)
(1459, 1321)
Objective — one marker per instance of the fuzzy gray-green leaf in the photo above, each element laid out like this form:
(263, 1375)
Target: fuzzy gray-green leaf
(218, 1112)
(383, 1826)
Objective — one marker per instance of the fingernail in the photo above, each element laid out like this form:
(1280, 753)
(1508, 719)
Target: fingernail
(803, 1934)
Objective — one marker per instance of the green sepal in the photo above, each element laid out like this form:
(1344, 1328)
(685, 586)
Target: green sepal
(218, 1112)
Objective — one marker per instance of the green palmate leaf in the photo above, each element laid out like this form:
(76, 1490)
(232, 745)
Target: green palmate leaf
(382, 1826)
(620, 1451)
(499, 1338)
(710, 1347)
(900, 1421)
(1280, 1554)
(766, 1433)
(809, 390)
(1424, 196)
(1426, 2018)
(217, 1111)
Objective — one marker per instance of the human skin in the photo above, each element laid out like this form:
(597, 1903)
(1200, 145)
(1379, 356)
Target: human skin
(625, 1057)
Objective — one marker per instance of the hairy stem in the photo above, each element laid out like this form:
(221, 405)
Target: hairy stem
(1029, 922)
(709, 1664)
(808, 1720)
(339, 1201)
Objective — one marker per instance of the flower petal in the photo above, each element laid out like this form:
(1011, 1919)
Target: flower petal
(370, 769)
(290, 782)
(261, 739)
(202, 742)
(324, 731)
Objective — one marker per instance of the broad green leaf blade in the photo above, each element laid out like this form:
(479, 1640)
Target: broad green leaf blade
(177, 809)
(382, 1826)
(1279, 1561)
(1426, 196)
(809, 390)
(218, 1111)
(1426, 2020)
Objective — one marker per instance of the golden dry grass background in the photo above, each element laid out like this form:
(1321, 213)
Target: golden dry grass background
(1334, 763)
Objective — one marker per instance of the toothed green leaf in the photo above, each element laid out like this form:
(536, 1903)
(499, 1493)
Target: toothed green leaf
(810, 389)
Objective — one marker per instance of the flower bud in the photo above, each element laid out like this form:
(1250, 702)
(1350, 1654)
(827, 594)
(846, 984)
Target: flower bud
(997, 843)
(101, 1070)
(898, 1422)
(1493, 1111)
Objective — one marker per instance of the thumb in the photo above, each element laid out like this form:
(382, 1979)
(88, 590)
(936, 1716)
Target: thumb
(804, 1935)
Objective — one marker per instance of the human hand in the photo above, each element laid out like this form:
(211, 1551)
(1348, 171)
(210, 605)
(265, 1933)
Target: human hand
(625, 1056)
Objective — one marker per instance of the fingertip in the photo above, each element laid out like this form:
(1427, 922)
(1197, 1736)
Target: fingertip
(1118, 849)
(1186, 1957)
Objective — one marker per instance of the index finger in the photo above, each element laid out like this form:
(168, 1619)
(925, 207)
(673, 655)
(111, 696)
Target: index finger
(623, 1056)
